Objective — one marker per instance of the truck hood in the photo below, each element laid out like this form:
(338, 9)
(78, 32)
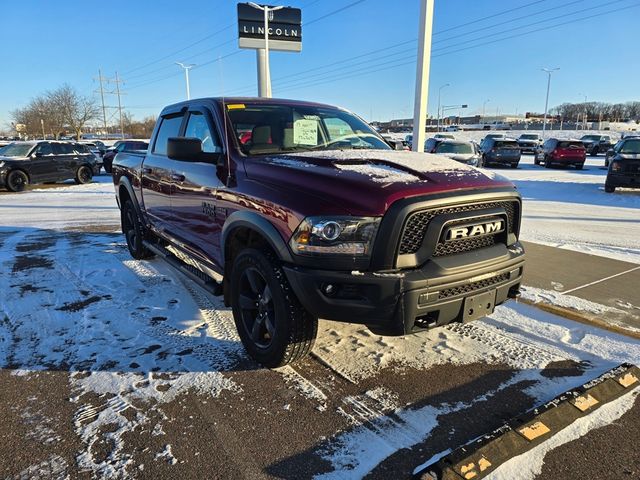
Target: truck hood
(367, 182)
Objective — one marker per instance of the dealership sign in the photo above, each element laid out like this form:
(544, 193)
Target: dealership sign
(285, 28)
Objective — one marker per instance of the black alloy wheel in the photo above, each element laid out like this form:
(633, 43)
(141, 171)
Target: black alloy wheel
(132, 229)
(257, 308)
(17, 180)
(83, 175)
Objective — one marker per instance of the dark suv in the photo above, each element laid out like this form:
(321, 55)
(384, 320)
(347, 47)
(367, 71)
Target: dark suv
(307, 213)
(24, 163)
(122, 146)
(595, 144)
(500, 151)
(624, 165)
(561, 152)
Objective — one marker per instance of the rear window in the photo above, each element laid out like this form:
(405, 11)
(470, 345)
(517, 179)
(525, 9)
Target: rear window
(529, 137)
(170, 127)
(631, 146)
(507, 145)
(464, 148)
(566, 144)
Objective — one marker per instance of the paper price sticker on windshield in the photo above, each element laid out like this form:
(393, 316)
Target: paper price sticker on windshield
(305, 132)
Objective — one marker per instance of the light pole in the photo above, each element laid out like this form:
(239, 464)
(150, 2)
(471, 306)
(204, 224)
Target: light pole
(265, 84)
(42, 125)
(549, 71)
(439, 93)
(423, 66)
(584, 115)
(187, 67)
(484, 104)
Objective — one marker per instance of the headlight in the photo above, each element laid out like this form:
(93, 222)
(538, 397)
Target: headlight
(1, 164)
(616, 166)
(335, 236)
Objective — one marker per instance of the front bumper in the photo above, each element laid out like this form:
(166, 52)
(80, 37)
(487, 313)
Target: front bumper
(410, 300)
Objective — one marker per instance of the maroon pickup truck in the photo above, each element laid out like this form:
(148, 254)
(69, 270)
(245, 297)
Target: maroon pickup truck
(307, 213)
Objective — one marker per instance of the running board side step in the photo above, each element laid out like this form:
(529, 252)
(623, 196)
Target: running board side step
(485, 454)
(205, 281)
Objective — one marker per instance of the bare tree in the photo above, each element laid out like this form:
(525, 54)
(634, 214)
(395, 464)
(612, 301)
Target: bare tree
(76, 109)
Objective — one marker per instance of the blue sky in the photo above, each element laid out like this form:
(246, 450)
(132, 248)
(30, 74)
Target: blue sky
(46, 44)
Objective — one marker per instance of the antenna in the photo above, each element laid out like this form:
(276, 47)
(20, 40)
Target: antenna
(224, 122)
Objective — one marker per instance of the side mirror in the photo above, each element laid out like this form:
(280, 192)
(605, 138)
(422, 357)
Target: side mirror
(184, 148)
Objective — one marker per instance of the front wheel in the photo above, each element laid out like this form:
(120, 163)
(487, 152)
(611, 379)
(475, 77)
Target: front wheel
(547, 163)
(594, 151)
(274, 327)
(609, 189)
(579, 166)
(83, 175)
(17, 180)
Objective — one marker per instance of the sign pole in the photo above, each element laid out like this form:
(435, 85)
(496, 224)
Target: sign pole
(262, 72)
(422, 75)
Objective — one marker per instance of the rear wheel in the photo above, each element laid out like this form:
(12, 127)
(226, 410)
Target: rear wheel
(83, 175)
(17, 180)
(274, 327)
(514, 165)
(594, 151)
(579, 166)
(133, 231)
(547, 163)
(536, 160)
(609, 188)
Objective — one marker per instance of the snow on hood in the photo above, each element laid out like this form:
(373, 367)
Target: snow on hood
(379, 164)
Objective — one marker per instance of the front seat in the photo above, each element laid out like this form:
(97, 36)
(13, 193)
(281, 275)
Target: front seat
(261, 140)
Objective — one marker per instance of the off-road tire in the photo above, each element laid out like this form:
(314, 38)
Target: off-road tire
(609, 188)
(295, 330)
(133, 231)
(17, 180)
(83, 175)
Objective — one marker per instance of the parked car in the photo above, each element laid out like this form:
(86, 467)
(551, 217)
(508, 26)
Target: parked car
(595, 144)
(500, 151)
(96, 146)
(624, 165)
(121, 146)
(24, 163)
(444, 135)
(561, 152)
(529, 142)
(492, 135)
(421, 245)
(460, 151)
(431, 144)
(452, 128)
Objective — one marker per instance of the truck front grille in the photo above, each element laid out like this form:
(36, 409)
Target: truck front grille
(416, 227)
(472, 287)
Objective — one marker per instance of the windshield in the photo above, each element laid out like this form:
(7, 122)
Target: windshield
(454, 148)
(266, 129)
(529, 137)
(631, 146)
(590, 137)
(17, 149)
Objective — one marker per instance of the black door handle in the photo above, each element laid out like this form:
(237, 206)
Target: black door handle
(176, 177)
(146, 170)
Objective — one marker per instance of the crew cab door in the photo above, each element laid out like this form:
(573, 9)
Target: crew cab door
(156, 173)
(195, 187)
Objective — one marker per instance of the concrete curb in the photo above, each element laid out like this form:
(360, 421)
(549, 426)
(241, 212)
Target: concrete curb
(483, 455)
(580, 317)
